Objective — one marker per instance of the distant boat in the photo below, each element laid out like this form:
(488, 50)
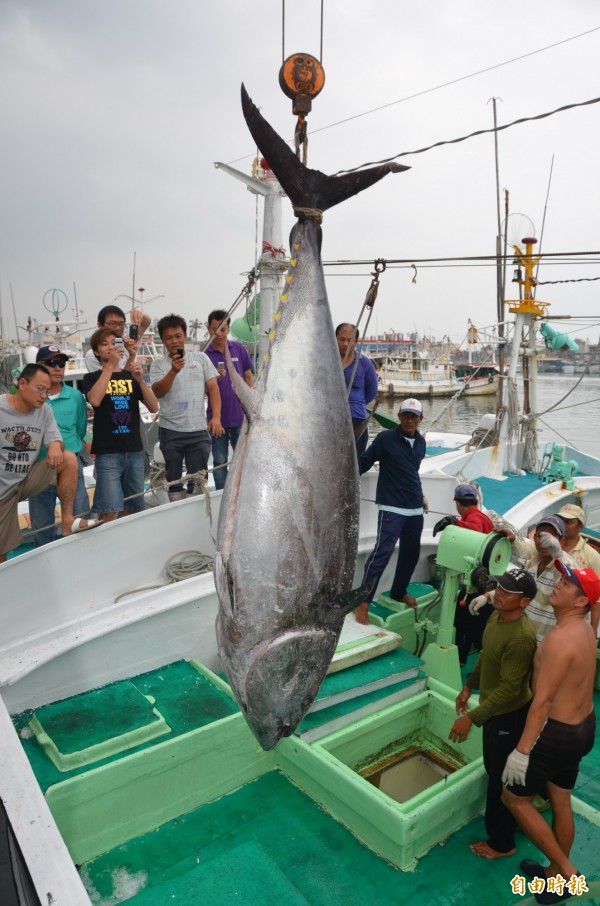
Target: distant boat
(419, 376)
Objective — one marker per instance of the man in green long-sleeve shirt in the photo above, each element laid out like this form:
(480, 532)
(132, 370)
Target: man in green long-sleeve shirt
(502, 676)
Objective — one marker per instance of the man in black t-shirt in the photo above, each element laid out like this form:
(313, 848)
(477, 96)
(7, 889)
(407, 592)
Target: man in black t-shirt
(115, 395)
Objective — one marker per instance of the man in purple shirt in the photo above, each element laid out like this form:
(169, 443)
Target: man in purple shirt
(362, 382)
(232, 415)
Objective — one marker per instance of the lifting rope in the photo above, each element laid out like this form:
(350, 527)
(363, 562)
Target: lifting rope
(379, 267)
(301, 78)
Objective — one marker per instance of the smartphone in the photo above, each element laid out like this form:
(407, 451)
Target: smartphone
(133, 331)
(220, 365)
(180, 352)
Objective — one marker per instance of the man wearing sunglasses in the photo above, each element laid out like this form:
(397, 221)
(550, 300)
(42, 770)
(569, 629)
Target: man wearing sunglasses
(27, 424)
(68, 406)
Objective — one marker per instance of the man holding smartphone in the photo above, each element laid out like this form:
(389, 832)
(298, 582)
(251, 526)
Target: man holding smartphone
(180, 380)
(232, 415)
(116, 394)
(114, 317)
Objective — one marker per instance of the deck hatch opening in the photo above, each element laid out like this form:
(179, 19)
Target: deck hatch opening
(404, 774)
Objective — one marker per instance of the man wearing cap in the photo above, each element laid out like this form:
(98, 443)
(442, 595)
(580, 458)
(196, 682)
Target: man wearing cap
(466, 500)
(502, 676)
(539, 555)
(399, 452)
(27, 425)
(582, 553)
(559, 730)
(361, 381)
(68, 406)
(472, 610)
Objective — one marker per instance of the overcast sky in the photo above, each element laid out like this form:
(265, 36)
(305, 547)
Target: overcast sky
(113, 114)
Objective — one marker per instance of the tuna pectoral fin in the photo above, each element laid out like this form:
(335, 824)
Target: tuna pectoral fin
(307, 188)
(245, 394)
(223, 583)
(343, 604)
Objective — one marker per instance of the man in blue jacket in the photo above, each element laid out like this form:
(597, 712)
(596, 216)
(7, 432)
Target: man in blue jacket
(399, 497)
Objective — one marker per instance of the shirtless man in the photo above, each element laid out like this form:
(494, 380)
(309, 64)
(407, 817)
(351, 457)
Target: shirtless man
(560, 727)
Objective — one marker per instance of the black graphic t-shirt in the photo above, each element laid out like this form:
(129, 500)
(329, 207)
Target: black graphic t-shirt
(117, 418)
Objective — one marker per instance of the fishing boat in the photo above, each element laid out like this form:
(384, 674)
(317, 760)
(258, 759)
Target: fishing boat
(421, 376)
(129, 774)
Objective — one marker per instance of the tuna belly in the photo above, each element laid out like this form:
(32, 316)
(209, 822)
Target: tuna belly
(294, 535)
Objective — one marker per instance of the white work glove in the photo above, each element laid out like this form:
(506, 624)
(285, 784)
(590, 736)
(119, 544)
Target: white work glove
(476, 604)
(551, 545)
(515, 769)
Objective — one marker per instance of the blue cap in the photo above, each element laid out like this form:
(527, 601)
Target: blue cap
(556, 522)
(466, 493)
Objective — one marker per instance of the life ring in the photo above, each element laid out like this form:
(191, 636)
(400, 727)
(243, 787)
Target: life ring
(491, 379)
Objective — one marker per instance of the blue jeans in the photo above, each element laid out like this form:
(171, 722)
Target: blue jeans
(118, 476)
(220, 452)
(392, 527)
(177, 446)
(43, 505)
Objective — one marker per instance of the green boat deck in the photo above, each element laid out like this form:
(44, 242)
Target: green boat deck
(267, 841)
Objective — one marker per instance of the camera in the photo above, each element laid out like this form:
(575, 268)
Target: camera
(133, 331)
(119, 342)
(180, 352)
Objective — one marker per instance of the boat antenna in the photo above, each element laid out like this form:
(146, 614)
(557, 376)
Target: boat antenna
(500, 267)
(14, 310)
(76, 302)
(133, 283)
(537, 270)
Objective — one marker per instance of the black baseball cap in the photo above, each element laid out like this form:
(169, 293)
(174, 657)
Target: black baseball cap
(519, 581)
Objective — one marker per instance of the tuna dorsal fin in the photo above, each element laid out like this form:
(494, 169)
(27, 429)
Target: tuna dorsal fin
(304, 187)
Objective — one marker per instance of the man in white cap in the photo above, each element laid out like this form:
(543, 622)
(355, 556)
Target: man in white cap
(559, 731)
(399, 452)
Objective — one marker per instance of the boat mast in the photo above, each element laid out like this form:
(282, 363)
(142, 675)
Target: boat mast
(526, 310)
(273, 261)
(500, 266)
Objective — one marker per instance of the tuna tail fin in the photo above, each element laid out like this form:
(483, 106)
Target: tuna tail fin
(304, 187)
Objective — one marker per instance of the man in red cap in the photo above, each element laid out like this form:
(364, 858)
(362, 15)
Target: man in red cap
(559, 730)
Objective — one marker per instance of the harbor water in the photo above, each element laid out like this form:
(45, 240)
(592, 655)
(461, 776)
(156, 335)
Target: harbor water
(575, 420)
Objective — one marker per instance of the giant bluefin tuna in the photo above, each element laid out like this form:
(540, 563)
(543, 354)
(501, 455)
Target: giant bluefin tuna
(288, 525)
